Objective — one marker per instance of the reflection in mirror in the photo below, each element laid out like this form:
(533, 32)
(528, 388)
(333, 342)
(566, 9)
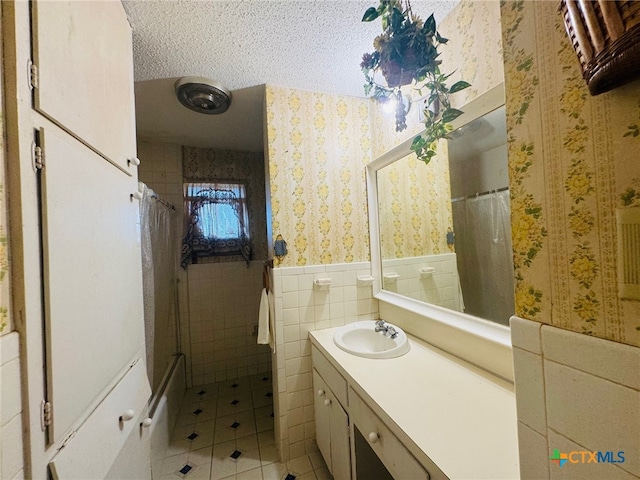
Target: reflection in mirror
(445, 235)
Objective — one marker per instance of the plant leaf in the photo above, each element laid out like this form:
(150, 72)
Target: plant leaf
(370, 15)
(451, 114)
(417, 142)
(396, 19)
(430, 26)
(461, 85)
(441, 39)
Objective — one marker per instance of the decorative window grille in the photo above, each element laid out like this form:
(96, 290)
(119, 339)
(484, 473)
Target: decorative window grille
(217, 221)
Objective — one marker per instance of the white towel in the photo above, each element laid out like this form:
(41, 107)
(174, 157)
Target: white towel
(264, 333)
(272, 321)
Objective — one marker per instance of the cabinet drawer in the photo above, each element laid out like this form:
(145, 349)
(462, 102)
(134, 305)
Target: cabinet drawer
(400, 463)
(330, 375)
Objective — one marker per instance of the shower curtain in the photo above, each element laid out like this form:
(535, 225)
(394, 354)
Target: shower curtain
(482, 229)
(158, 222)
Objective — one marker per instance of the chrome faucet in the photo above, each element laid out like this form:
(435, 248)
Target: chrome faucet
(386, 329)
(392, 332)
(381, 327)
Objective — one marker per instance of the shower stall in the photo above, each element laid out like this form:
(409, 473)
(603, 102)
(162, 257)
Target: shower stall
(165, 363)
(159, 278)
(484, 255)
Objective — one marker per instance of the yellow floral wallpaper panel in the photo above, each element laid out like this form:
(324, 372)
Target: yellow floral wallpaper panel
(6, 324)
(318, 145)
(414, 207)
(573, 160)
(474, 51)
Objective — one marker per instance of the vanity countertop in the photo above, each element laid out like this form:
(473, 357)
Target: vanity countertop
(442, 408)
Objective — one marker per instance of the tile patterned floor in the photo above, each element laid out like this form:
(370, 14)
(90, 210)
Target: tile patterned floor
(225, 431)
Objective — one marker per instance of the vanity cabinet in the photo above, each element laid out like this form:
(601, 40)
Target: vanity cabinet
(411, 416)
(340, 413)
(332, 421)
(332, 429)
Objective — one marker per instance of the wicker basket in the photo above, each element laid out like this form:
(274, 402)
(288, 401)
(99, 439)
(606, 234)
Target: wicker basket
(606, 37)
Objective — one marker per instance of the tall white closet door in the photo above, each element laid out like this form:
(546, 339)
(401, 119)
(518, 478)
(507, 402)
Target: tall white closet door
(84, 59)
(92, 276)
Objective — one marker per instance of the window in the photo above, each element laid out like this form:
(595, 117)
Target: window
(217, 221)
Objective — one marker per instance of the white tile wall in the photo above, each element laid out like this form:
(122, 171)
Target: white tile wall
(583, 471)
(531, 467)
(526, 334)
(594, 412)
(614, 361)
(224, 300)
(440, 288)
(161, 169)
(588, 389)
(529, 381)
(299, 309)
(11, 408)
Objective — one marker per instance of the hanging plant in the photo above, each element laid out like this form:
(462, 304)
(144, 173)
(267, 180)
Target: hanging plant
(406, 52)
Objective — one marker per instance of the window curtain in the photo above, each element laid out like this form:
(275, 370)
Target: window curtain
(217, 221)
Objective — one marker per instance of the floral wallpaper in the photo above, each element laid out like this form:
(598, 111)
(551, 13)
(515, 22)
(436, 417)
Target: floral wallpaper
(202, 164)
(573, 160)
(474, 51)
(318, 146)
(414, 207)
(6, 324)
(5, 295)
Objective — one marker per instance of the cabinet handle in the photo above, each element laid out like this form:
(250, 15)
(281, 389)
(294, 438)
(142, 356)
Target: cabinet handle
(321, 393)
(134, 161)
(127, 415)
(327, 402)
(373, 437)
(146, 422)
(136, 195)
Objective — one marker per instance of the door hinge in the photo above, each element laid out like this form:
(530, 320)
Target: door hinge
(37, 157)
(33, 75)
(45, 414)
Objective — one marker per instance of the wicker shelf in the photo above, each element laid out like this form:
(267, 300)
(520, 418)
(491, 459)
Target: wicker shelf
(606, 38)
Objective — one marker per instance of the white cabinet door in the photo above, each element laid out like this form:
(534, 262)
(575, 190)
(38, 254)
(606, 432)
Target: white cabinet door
(91, 453)
(332, 430)
(323, 423)
(92, 276)
(84, 59)
(340, 448)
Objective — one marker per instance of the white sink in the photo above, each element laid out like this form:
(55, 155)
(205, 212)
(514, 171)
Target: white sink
(361, 339)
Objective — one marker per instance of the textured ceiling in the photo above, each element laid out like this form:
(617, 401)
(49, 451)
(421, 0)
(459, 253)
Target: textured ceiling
(310, 45)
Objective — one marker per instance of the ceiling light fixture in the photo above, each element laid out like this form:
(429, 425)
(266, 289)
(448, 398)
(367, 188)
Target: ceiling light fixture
(203, 95)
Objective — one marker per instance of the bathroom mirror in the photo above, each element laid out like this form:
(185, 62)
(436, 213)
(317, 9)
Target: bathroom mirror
(440, 233)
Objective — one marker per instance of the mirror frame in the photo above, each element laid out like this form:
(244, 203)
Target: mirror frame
(486, 329)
